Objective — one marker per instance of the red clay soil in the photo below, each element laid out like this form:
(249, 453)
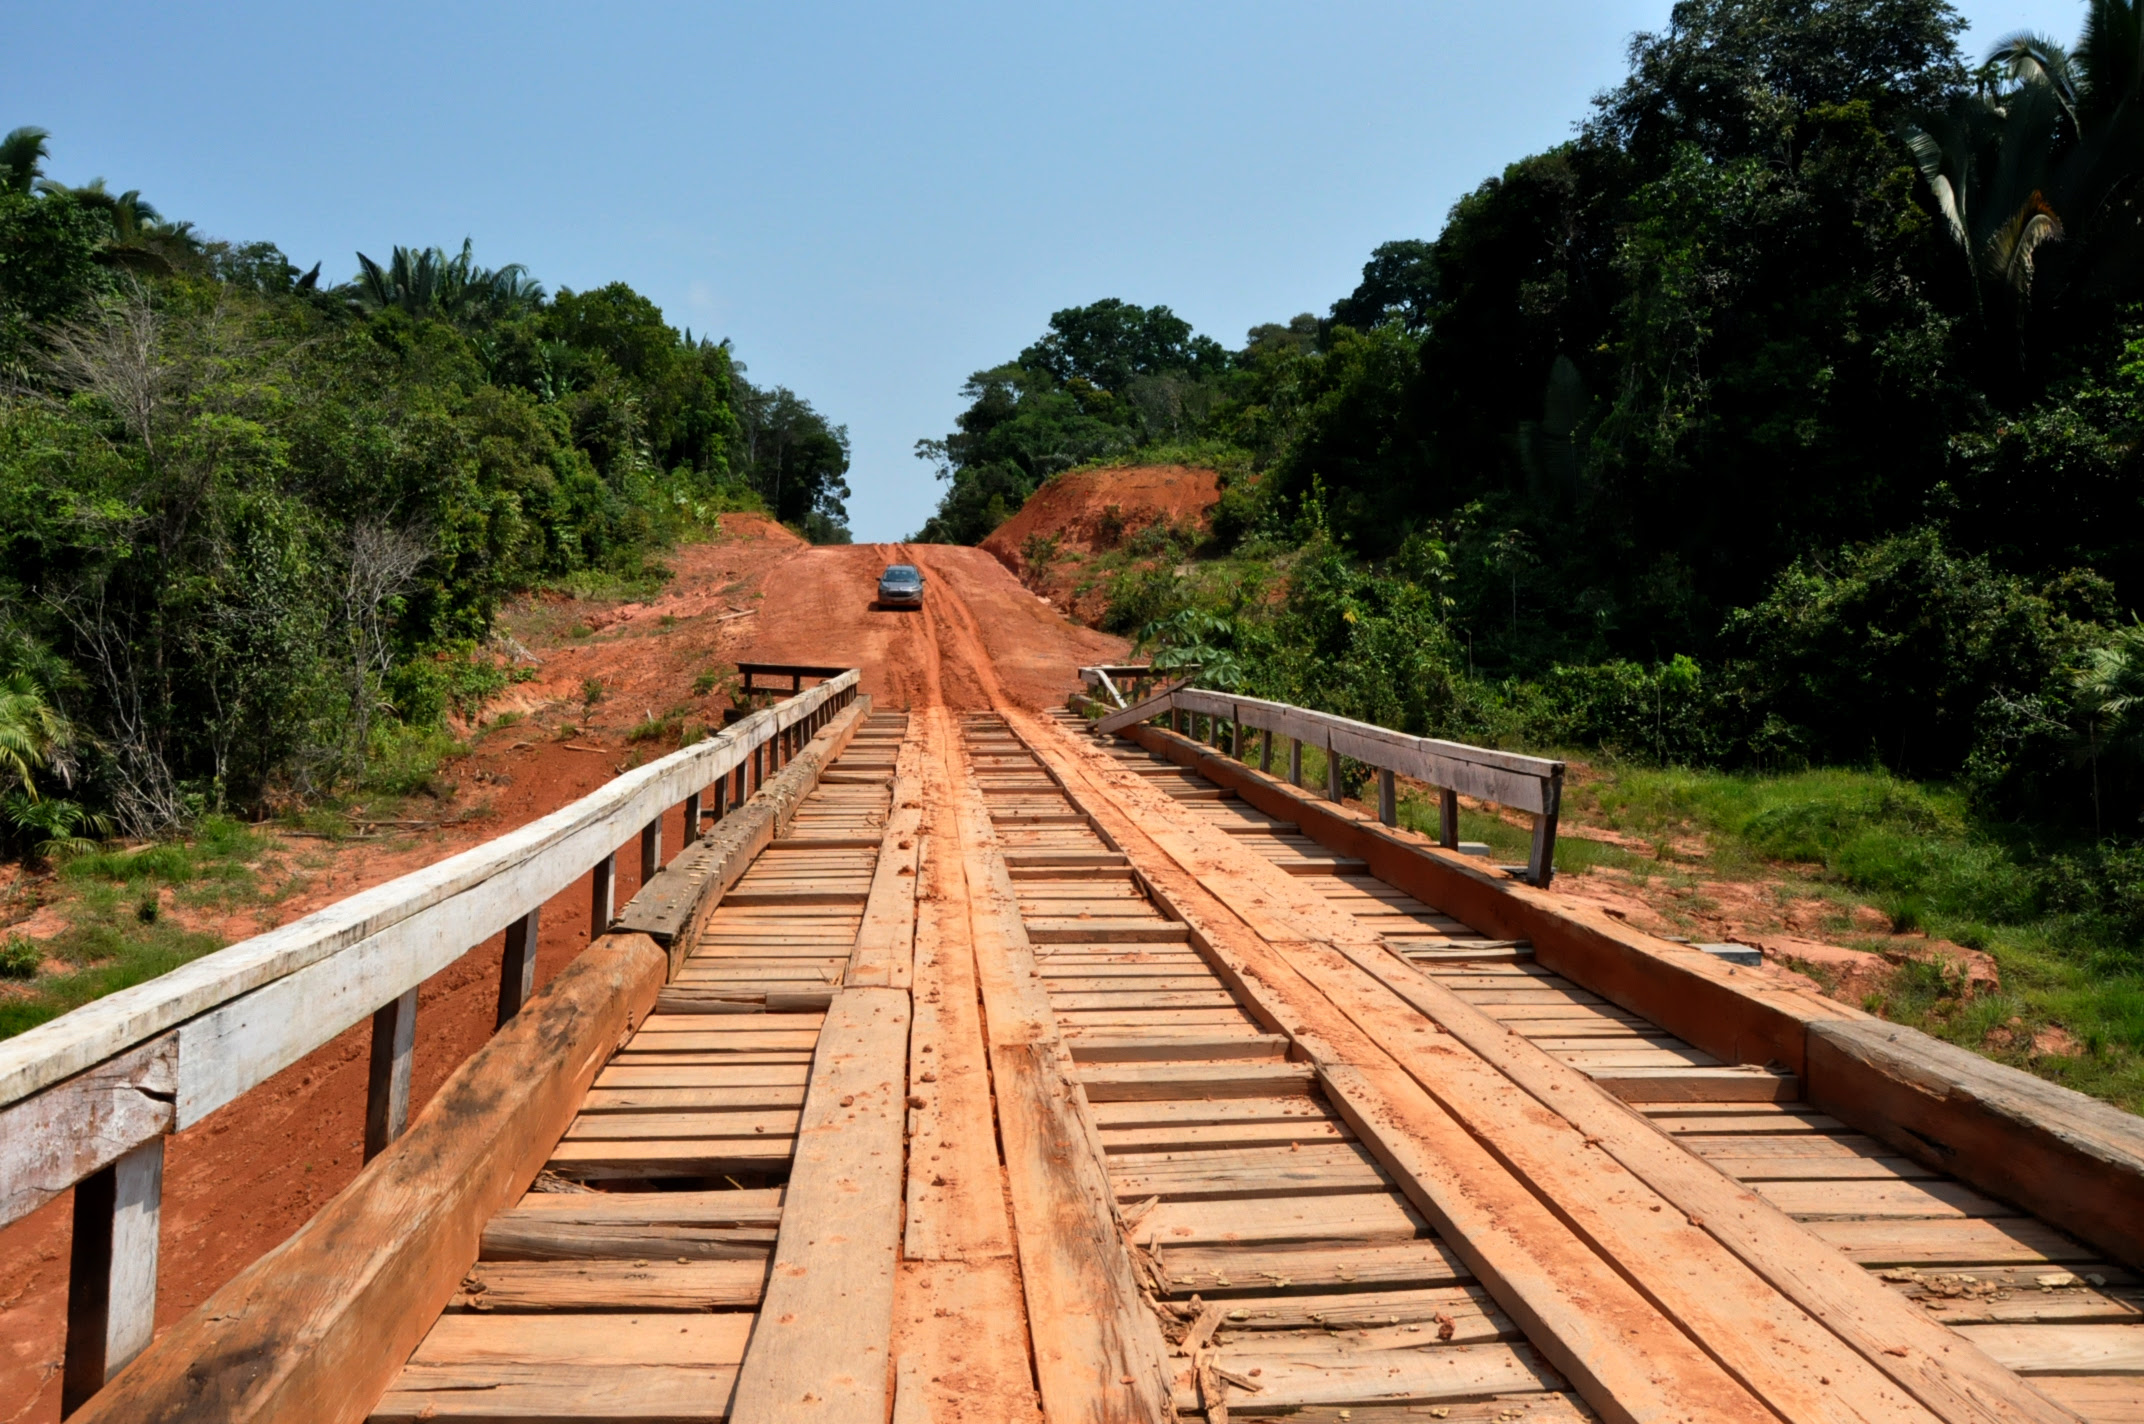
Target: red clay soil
(1092, 511)
(240, 1182)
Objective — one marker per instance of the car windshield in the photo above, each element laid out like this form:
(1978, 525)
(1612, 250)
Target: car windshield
(900, 573)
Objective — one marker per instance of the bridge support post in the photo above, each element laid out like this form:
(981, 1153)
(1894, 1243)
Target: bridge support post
(1265, 750)
(1448, 818)
(394, 1046)
(1387, 797)
(651, 849)
(692, 820)
(1295, 761)
(602, 896)
(1332, 772)
(517, 970)
(111, 1280)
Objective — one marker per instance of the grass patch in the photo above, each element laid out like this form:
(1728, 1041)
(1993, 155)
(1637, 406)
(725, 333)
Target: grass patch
(105, 952)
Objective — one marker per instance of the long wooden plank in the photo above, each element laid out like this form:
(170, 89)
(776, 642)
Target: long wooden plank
(324, 1322)
(886, 940)
(1098, 1353)
(568, 1394)
(824, 1342)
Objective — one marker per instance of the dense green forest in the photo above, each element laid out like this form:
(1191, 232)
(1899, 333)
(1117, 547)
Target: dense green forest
(1787, 416)
(1787, 413)
(255, 526)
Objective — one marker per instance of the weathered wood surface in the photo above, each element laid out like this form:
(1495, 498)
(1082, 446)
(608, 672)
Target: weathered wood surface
(459, 900)
(1628, 1357)
(52, 1140)
(885, 951)
(671, 907)
(319, 1327)
(2073, 1160)
(822, 1349)
(1098, 1353)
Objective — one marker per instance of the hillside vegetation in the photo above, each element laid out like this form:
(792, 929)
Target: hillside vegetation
(1786, 417)
(255, 525)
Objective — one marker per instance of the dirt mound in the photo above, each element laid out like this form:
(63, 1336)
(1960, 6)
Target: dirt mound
(1091, 511)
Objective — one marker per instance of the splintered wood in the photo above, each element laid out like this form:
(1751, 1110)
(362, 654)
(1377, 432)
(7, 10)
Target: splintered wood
(1031, 1076)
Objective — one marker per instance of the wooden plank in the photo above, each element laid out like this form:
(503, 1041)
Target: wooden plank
(1098, 1352)
(886, 940)
(1970, 1241)
(1845, 1200)
(826, 1327)
(1108, 1082)
(326, 1319)
(521, 1287)
(563, 1339)
(1326, 1264)
(567, 1394)
(1428, 1376)
(2064, 1349)
(111, 1275)
(460, 900)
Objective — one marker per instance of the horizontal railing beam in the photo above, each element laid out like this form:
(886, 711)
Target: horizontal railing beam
(1533, 785)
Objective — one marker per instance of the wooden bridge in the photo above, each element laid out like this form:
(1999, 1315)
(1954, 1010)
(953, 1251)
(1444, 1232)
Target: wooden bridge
(1011, 1066)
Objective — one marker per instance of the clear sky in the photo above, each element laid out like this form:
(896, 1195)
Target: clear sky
(872, 201)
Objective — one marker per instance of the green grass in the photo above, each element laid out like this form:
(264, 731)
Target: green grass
(118, 934)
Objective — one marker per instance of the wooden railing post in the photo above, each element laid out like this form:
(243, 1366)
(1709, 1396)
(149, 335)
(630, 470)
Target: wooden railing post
(1265, 749)
(1295, 761)
(1541, 865)
(1387, 797)
(692, 820)
(394, 1047)
(517, 969)
(1332, 770)
(651, 849)
(111, 1280)
(602, 896)
(1235, 739)
(1448, 818)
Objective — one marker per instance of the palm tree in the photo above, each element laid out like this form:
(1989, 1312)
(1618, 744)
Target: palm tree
(22, 159)
(427, 282)
(2048, 148)
(30, 728)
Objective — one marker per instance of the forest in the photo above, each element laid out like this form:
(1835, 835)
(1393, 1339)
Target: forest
(1787, 414)
(1773, 443)
(255, 524)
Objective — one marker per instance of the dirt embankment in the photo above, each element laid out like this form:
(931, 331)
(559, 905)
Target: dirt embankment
(1087, 512)
(242, 1181)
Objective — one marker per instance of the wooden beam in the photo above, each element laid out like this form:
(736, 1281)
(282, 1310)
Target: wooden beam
(111, 1277)
(319, 1327)
(394, 1045)
(822, 1348)
(517, 966)
(885, 950)
(1098, 1351)
(2072, 1159)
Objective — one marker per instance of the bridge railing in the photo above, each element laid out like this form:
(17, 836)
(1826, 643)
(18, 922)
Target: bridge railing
(1531, 785)
(87, 1099)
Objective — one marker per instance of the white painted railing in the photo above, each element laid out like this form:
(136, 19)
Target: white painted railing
(89, 1097)
(1533, 785)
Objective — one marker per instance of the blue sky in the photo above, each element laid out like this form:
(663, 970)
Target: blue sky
(871, 201)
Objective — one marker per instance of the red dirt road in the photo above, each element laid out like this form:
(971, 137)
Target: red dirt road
(239, 1183)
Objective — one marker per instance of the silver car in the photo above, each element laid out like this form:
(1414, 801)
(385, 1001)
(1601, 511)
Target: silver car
(901, 586)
